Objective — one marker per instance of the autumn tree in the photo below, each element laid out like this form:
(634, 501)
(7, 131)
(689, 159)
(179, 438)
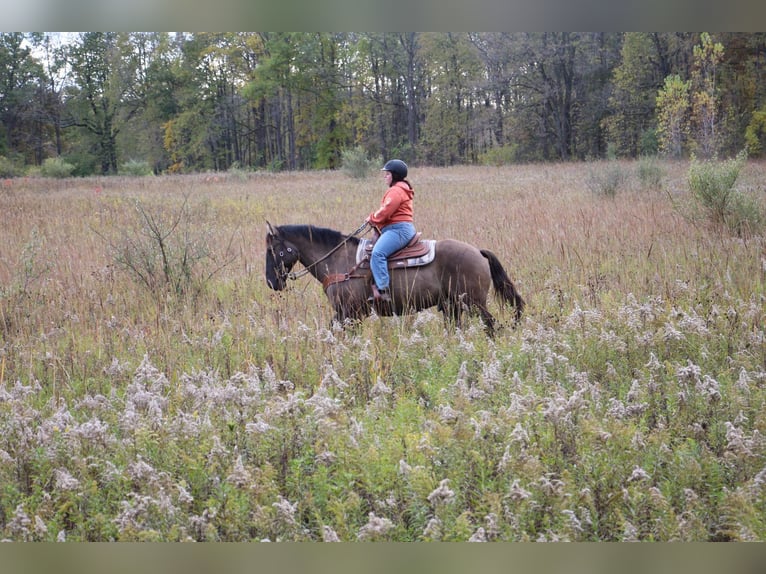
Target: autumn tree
(673, 115)
(704, 96)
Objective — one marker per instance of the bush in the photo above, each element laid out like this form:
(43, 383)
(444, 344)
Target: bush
(56, 167)
(606, 179)
(650, 172)
(712, 186)
(136, 168)
(9, 169)
(502, 155)
(356, 163)
(167, 251)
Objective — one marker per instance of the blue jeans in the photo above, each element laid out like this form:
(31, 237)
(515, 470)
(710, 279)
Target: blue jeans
(392, 239)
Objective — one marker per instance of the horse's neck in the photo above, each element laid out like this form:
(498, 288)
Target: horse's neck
(319, 257)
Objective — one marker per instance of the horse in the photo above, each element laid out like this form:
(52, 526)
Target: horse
(457, 279)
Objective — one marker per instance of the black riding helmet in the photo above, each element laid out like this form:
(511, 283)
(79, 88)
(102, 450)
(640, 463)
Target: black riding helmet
(397, 168)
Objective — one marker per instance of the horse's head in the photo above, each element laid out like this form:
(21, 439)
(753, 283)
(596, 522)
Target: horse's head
(281, 256)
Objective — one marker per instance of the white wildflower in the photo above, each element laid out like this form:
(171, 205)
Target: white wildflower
(329, 535)
(433, 530)
(639, 474)
(240, 476)
(286, 511)
(519, 435)
(518, 493)
(442, 495)
(40, 528)
(479, 536)
(65, 481)
(376, 526)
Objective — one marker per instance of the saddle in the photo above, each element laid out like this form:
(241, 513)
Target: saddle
(416, 253)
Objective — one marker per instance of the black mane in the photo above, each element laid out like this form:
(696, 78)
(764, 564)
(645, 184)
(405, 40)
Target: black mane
(316, 234)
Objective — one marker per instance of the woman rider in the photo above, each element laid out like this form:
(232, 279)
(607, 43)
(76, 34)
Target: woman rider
(394, 222)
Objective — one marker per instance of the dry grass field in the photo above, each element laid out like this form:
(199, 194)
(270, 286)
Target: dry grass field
(187, 401)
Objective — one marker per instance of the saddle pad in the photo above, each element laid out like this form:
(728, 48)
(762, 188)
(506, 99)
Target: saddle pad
(362, 255)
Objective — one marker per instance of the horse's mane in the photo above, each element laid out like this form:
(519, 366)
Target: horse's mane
(316, 234)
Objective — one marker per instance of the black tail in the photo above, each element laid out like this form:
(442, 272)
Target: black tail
(503, 285)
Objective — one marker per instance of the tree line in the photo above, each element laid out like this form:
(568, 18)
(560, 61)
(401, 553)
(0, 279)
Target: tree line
(190, 102)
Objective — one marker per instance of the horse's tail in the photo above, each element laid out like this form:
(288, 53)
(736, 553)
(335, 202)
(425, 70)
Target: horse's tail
(503, 285)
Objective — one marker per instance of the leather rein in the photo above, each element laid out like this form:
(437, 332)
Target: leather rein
(332, 278)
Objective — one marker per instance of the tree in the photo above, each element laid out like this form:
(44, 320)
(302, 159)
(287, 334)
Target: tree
(704, 99)
(102, 99)
(673, 115)
(635, 83)
(22, 83)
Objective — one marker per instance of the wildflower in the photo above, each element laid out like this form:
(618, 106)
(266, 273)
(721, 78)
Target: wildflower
(518, 493)
(639, 474)
(40, 528)
(479, 536)
(376, 526)
(286, 511)
(183, 495)
(433, 530)
(239, 476)
(329, 535)
(65, 481)
(442, 495)
(19, 524)
(710, 388)
(574, 522)
(519, 435)
(141, 471)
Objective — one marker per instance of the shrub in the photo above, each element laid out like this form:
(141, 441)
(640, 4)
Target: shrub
(716, 199)
(236, 170)
(501, 155)
(8, 168)
(356, 163)
(650, 172)
(136, 168)
(606, 179)
(56, 167)
(167, 251)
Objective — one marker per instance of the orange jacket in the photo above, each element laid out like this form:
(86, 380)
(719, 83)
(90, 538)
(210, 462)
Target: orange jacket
(395, 207)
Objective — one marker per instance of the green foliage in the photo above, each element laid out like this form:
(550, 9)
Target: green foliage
(650, 172)
(648, 143)
(56, 167)
(673, 115)
(755, 134)
(9, 168)
(357, 164)
(500, 155)
(137, 168)
(712, 183)
(606, 178)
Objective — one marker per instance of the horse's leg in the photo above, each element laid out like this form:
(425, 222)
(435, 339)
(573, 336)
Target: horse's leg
(489, 320)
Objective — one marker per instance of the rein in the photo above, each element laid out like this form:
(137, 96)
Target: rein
(306, 270)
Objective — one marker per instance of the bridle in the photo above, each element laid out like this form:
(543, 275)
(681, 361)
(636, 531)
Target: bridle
(283, 274)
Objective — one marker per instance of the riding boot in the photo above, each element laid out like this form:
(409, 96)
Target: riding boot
(379, 295)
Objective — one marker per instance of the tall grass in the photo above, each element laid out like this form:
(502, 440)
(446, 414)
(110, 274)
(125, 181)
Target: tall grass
(628, 405)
